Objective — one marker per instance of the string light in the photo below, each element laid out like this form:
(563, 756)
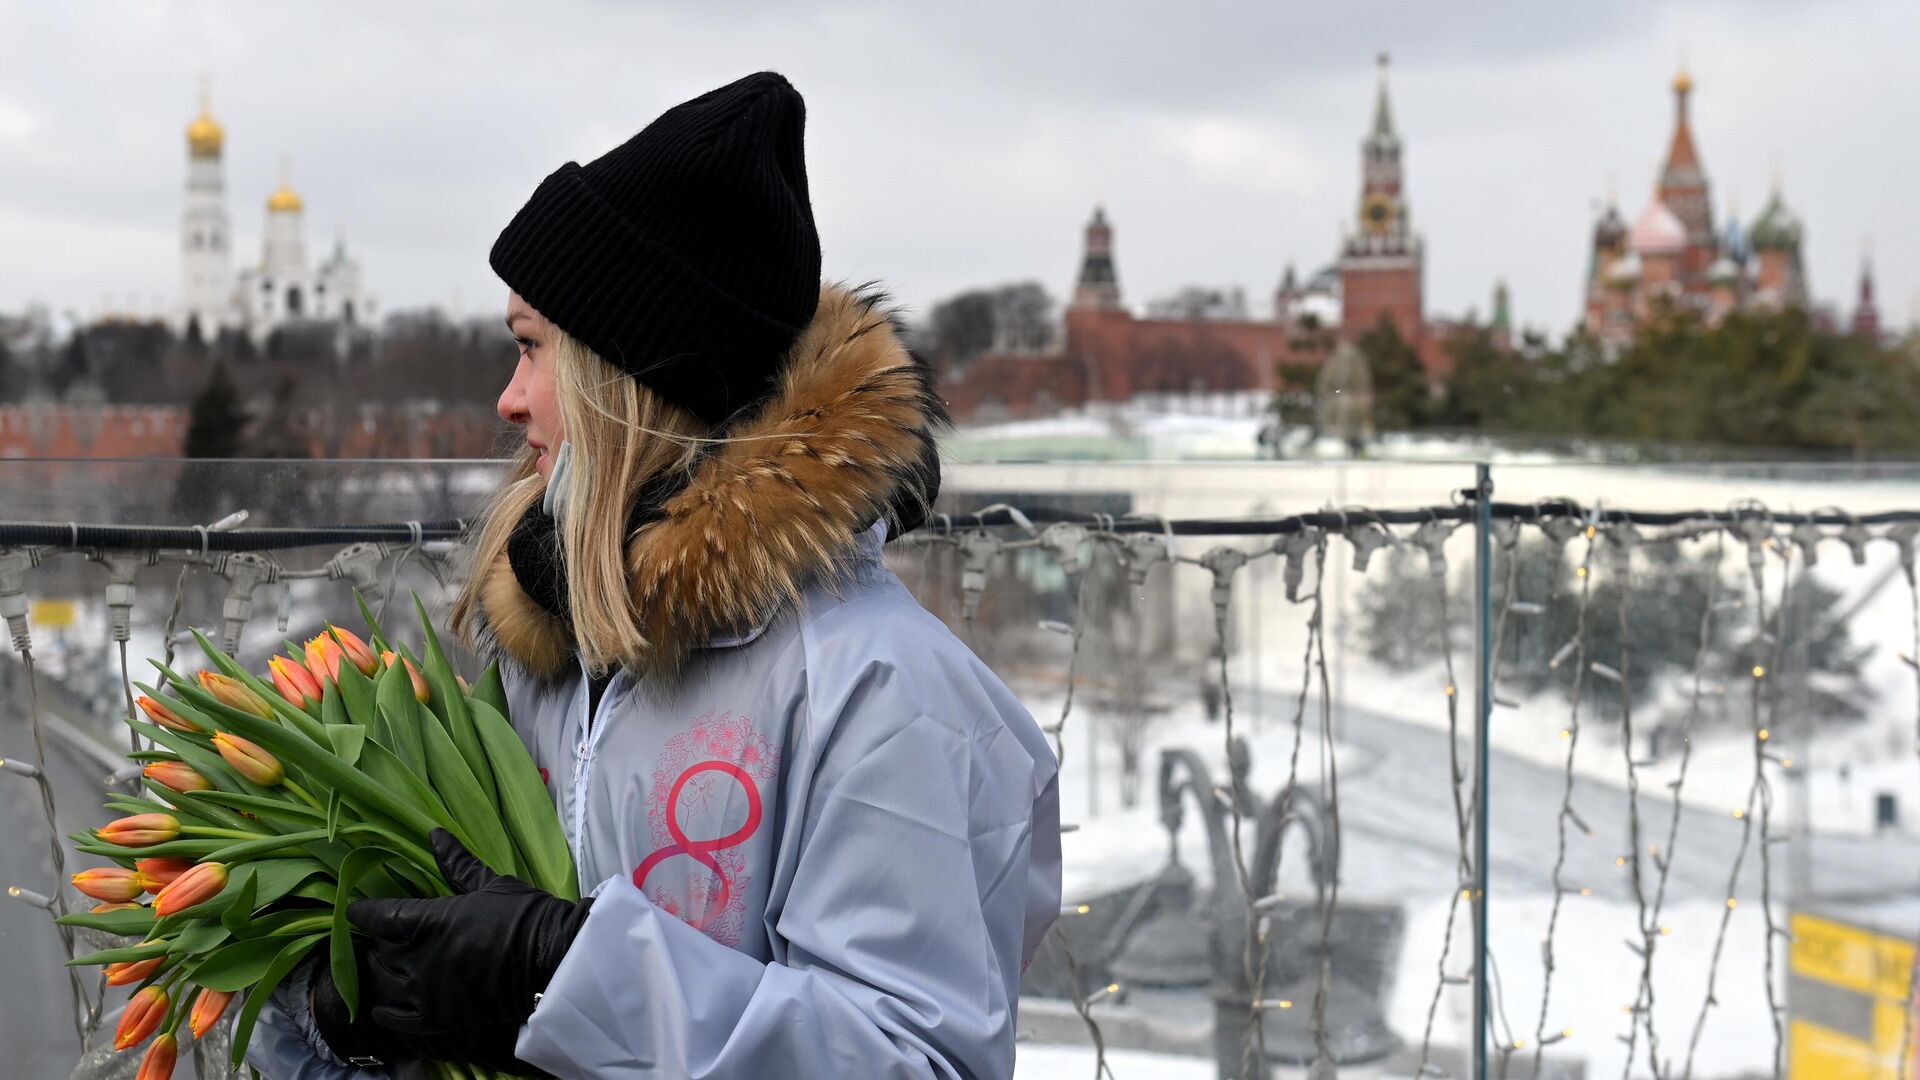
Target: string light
(1376, 534)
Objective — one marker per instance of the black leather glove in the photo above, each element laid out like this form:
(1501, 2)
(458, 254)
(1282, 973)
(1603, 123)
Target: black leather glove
(451, 978)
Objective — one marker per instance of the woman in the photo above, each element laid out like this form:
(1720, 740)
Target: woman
(821, 839)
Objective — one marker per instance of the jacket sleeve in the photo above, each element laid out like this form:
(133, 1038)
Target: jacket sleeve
(898, 942)
(284, 1044)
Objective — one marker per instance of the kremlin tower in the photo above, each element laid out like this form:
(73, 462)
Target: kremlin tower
(1218, 351)
(1866, 313)
(1098, 288)
(1381, 264)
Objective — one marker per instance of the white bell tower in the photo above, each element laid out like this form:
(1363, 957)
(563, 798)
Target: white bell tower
(206, 255)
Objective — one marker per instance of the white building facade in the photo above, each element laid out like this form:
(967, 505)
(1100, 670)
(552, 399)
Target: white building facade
(282, 288)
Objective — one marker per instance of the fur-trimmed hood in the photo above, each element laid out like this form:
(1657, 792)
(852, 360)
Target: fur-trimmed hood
(846, 438)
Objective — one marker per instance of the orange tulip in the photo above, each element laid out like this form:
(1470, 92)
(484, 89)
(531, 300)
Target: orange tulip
(158, 1064)
(420, 688)
(177, 776)
(323, 657)
(234, 694)
(111, 883)
(249, 760)
(118, 905)
(356, 650)
(207, 1009)
(198, 885)
(157, 874)
(140, 830)
(143, 1014)
(294, 682)
(166, 717)
(133, 970)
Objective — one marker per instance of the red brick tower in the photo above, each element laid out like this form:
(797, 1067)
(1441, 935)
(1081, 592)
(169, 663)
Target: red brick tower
(1098, 288)
(1381, 265)
(1683, 190)
(1866, 314)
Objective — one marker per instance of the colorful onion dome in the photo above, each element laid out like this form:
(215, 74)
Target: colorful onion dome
(1776, 229)
(1657, 231)
(1611, 229)
(1624, 271)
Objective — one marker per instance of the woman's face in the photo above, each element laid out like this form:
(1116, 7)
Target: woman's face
(528, 399)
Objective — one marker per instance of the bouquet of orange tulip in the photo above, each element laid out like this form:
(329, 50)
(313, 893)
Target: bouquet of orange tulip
(275, 802)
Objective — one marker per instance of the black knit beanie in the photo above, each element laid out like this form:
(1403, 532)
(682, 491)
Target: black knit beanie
(686, 256)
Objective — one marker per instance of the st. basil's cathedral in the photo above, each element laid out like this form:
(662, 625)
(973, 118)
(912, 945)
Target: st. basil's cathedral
(1673, 257)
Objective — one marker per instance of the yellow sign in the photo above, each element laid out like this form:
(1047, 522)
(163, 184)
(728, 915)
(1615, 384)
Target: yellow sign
(54, 614)
(1847, 1001)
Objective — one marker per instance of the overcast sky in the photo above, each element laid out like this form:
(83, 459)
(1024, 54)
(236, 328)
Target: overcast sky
(953, 145)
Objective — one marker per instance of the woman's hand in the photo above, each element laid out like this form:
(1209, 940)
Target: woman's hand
(451, 978)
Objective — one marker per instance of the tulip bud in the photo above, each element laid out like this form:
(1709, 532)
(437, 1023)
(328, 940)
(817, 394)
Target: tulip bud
(157, 874)
(196, 886)
(140, 830)
(420, 688)
(323, 657)
(165, 717)
(177, 776)
(249, 760)
(234, 694)
(294, 682)
(206, 1011)
(133, 970)
(356, 650)
(110, 883)
(158, 1064)
(118, 905)
(142, 1017)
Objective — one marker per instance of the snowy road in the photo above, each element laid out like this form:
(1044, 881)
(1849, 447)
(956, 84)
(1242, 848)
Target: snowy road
(1398, 819)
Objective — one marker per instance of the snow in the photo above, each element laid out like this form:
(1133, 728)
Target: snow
(1043, 1062)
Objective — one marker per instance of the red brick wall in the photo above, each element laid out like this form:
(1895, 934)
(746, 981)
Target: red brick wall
(91, 431)
(140, 431)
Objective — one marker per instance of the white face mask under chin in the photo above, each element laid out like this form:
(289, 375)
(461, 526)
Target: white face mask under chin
(554, 502)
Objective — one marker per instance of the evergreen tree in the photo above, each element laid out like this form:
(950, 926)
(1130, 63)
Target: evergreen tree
(216, 420)
(1402, 397)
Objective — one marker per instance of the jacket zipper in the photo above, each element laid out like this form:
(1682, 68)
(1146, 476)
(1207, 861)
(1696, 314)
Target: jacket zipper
(591, 725)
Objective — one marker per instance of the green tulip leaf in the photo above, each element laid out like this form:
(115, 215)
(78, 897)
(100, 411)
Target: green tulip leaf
(283, 962)
(446, 689)
(526, 807)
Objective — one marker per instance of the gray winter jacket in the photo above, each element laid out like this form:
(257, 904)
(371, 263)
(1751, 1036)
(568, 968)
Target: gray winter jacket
(823, 837)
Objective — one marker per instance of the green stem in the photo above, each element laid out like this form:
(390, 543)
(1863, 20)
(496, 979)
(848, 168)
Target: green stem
(223, 834)
(305, 926)
(255, 846)
(301, 793)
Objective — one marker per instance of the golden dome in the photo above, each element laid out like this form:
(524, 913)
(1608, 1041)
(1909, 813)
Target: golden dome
(1682, 82)
(285, 198)
(205, 135)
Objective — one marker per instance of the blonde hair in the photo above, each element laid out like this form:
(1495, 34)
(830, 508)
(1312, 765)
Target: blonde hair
(623, 436)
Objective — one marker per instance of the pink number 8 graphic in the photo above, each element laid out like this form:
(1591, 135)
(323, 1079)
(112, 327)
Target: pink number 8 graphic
(701, 851)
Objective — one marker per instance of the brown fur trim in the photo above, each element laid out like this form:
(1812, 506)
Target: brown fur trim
(521, 628)
(773, 509)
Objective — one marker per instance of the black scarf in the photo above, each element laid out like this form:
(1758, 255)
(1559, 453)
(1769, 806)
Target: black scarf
(539, 562)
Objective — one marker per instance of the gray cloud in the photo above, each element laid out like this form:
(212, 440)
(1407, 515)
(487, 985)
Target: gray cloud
(962, 144)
